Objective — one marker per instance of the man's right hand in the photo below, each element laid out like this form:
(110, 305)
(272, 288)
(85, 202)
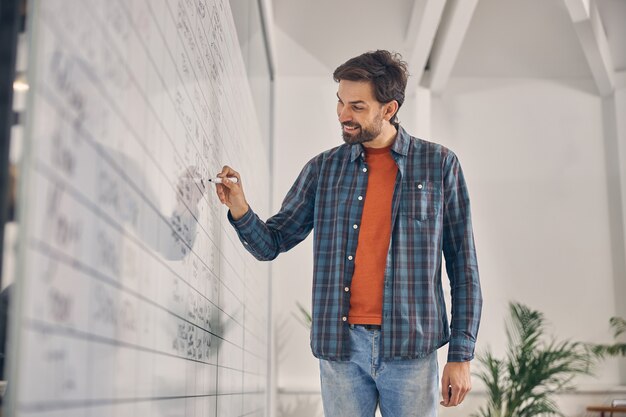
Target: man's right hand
(231, 193)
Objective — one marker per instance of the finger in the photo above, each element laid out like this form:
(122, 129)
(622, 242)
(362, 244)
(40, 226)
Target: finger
(464, 394)
(228, 172)
(229, 184)
(462, 397)
(220, 193)
(445, 394)
(445, 388)
(456, 396)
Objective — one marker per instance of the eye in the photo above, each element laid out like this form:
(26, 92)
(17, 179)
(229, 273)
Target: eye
(357, 108)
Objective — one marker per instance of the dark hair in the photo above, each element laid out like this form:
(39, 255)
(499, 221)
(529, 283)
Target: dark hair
(387, 72)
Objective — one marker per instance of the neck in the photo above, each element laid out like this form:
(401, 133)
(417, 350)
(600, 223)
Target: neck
(386, 138)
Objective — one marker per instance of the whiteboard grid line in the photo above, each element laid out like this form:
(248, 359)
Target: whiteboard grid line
(80, 198)
(57, 255)
(49, 96)
(210, 83)
(131, 75)
(160, 76)
(184, 44)
(96, 82)
(43, 327)
(181, 79)
(253, 412)
(50, 174)
(68, 405)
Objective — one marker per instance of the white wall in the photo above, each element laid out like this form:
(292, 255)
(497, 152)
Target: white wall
(304, 128)
(540, 178)
(533, 152)
(534, 157)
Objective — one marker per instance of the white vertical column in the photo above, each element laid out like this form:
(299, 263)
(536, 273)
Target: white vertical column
(619, 103)
(423, 113)
(618, 130)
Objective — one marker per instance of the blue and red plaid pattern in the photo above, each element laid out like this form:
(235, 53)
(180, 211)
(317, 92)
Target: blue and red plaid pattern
(430, 218)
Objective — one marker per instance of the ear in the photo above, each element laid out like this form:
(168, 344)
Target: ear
(390, 109)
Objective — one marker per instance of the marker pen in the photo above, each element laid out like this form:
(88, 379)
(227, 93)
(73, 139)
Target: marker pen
(219, 180)
(214, 180)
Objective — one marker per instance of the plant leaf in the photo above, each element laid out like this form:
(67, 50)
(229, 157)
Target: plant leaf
(533, 370)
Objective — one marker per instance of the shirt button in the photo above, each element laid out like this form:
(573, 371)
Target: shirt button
(420, 186)
(364, 169)
(344, 318)
(350, 257)
(360, 197)
(347, 289)
(355, 226)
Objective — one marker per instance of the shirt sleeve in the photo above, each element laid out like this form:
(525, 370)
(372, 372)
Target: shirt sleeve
(290, 226)
(461, 263)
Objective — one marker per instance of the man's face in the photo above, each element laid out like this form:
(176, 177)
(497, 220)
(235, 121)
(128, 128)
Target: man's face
(360, 114)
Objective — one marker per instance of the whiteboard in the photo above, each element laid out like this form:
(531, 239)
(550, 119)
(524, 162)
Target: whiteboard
(134, 296)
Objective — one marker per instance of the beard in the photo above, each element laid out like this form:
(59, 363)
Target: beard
(363, 134)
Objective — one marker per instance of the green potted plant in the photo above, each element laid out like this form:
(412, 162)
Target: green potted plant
(535, 367)
(616, 349)
(303, 316)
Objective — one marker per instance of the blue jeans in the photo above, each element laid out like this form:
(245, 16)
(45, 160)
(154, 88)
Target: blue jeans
(402, 387)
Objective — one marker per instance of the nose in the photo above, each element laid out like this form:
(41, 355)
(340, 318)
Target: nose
(344, 114)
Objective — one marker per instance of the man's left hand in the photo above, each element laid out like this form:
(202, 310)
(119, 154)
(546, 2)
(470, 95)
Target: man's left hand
(455, 383)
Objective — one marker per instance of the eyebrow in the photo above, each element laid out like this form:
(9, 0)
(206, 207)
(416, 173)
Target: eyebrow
(353, 102)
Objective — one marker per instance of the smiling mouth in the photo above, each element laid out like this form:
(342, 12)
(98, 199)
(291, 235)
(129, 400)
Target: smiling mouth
(350, 129)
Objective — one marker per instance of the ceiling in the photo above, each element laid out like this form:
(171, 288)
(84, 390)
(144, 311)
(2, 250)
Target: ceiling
(502, 38)
(332, 31)
(521, 38)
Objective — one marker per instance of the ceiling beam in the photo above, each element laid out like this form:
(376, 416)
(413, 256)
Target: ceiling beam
(420, 34)
(592, 37)
(452, 30)
(267, 20)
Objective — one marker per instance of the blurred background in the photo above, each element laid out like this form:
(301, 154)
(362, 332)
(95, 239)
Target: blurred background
(531, 95)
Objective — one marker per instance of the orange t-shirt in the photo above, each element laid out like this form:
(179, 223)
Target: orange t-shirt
(366, 299)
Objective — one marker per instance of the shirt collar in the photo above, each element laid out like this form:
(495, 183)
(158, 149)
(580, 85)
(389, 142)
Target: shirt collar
(400, 145)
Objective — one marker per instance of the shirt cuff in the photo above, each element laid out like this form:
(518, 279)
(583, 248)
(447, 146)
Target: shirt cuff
(460, 349)
(244, 226)
(242, 223)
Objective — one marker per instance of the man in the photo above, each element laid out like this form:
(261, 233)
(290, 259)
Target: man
(383, 207)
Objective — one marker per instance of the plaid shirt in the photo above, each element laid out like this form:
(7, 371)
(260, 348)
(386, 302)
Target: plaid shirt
(430, 217)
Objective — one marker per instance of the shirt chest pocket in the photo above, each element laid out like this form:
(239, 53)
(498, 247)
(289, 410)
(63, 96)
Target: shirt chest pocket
(421, 200)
